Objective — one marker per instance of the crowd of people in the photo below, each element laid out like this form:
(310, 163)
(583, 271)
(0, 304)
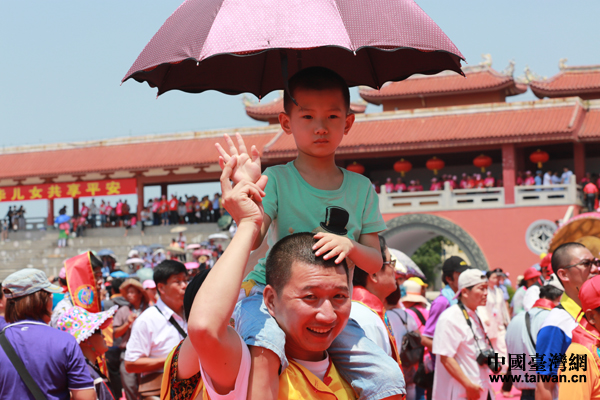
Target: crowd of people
(326, 314)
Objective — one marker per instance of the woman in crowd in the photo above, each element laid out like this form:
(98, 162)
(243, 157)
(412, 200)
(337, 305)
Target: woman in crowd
(54, 361)
(86, 327)
(138, 300)
(494, 314)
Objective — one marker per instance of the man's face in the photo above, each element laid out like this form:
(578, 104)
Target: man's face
(318, 122)
(98, 279)
(312, 309)
(454, 282)
(174, 289)
(133, 295)
(476, 296)
(575, 276)
(385, 279)
(493, 280)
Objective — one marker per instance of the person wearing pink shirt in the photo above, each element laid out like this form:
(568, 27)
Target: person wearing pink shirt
(435, 185)
(418, 186)
(389, 185)
(489, 180)
(529, 179)
(108, 212)
(464, 183)
(400, 186)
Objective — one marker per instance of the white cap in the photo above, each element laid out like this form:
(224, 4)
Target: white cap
(553, 281)
(133, 253)
(468, 278)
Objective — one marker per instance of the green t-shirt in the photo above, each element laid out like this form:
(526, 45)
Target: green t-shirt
(295, 206)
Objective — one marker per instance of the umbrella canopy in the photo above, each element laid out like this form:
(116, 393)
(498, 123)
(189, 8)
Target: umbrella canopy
(156, 246)
(407, 262)
(145, 274)
(135, 260)
(142, 249)
(193, 246)
(587, 224)
(202, 252)
(219, 236)
(175, 250)
(254, 45)
(178, 229)
(191, 265)
(158, 251)
(107, 253)
(61, 219)
(119, 274)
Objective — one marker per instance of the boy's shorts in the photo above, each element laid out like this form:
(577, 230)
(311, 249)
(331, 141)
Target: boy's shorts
(372, 373)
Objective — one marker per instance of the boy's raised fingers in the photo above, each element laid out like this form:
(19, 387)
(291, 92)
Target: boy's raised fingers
(226, 175)
(222, 152)
(232, 148)
(255, 154)
(241, 143)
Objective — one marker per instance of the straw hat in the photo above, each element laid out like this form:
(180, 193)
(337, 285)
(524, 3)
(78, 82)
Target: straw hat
(81, 324)
(413, 293)
(136, 284)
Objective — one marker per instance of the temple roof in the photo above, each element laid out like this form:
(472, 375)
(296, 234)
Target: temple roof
(463, 126)
(582, 81)
(270, 111)
(480, 78)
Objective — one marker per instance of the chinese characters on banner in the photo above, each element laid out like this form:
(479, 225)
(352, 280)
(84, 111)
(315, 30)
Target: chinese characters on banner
(106, 187)
(542, 362)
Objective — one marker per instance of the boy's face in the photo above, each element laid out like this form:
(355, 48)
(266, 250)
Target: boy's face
(318, 122)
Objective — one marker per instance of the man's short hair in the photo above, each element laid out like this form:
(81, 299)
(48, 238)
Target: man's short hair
(360, 276)
(32, 306)
(550, 292)
(316, 78)
(290, 249)
(115, 285)
(96, 263)
(561, 257)
(191, 290)
(166, 269)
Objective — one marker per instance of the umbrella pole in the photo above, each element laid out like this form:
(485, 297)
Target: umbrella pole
(284, 73)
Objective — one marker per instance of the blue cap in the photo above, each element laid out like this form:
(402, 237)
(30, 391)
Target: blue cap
(26, 282)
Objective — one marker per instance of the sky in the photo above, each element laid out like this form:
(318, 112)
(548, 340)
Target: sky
(61, 64)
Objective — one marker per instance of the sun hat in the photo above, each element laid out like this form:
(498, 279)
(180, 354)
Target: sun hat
(192, 265)
(149, 284)
(553, 281)
(63, 273)
(136, 284)
(81, 324)
(133, 253)
(413, 292)
(26, 282)
(589, 294)
(469, 278)
(531, 273)
(418, 280)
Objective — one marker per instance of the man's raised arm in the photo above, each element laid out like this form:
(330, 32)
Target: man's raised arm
(218, 345)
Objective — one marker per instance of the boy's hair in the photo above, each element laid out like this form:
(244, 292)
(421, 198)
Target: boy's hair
(290, 249)
(116, 285)
(167, 268)
(360, 276)
(550, 292)
(316, 78)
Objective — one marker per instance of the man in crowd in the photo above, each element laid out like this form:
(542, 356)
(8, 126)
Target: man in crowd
(173, 215)
(458, 340)
(158, 329)
(368, 299)
(520, 334)
(93, 213)
(451, 270)
(573, 264)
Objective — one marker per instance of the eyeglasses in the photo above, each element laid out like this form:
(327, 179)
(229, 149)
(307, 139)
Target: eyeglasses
(391, 263)
(586, 264)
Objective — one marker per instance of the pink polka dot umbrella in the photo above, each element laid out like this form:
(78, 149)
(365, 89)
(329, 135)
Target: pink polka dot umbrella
(237, 46)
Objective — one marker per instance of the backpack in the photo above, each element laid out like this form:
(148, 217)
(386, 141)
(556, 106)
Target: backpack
(411, 352)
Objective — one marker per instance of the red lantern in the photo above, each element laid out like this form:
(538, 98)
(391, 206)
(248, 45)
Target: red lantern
(482, 161)
(356, 167)
(539, 157)
(435, 164)
(402, 166)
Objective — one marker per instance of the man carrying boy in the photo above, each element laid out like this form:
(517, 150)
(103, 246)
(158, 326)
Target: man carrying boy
(312, 194)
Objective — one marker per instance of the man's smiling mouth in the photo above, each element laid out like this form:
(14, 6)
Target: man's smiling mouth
(320, 330)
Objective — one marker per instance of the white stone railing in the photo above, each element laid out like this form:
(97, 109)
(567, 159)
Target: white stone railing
(570, 193)
(446, 199)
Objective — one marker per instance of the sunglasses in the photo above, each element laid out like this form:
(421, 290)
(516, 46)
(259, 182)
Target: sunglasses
(586, 263)
(392, 263)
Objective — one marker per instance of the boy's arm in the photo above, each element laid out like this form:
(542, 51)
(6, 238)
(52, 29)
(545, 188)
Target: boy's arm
(263, 231)
(218, 345)
(366, 253)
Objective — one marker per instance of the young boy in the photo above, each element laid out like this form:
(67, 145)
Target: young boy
(312, 194)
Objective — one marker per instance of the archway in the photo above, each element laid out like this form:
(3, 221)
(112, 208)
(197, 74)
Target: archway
(408, 232)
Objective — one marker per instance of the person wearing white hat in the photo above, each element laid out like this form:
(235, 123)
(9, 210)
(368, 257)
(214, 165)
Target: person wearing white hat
(459, 342)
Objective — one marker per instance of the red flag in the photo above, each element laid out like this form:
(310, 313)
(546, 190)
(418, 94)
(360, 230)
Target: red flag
(81, 282)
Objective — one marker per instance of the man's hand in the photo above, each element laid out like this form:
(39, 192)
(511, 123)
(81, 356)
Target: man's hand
(131, 317)
(473, 391)
(248, 165)
(337, 245)
(244, 201)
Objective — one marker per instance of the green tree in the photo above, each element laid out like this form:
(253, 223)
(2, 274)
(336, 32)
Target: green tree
(429, 255)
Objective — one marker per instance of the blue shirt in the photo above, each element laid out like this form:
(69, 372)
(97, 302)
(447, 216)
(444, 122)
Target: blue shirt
(52, 357)
(555, 334)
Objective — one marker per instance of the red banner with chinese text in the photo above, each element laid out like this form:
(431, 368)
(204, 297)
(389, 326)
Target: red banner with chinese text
(106, 187)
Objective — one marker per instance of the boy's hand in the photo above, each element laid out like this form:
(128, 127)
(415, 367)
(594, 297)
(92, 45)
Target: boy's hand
(244, 201)
(248, 165)
(337, 245)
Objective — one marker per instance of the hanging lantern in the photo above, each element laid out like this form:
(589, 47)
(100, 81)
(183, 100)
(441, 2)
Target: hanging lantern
(539, 157)
(356, 167)
(482, 161)
(402, 166)
(435, 164)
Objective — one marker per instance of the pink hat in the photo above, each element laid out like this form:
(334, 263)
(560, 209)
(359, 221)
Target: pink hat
(149, 284)
(82, 324)
(531, 272)
(63, 273)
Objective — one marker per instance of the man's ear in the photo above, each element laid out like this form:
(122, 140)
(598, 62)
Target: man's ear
(349, 122)
(284, 121)
(269, 297)
(562, 274)
(160, 287)
(590, 316)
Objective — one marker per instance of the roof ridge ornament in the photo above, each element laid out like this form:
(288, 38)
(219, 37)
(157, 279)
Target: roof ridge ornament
(486, 60)
(529, 76)
(562, 64)
(510, 69)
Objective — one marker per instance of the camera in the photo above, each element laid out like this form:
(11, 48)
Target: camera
(488, 357)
